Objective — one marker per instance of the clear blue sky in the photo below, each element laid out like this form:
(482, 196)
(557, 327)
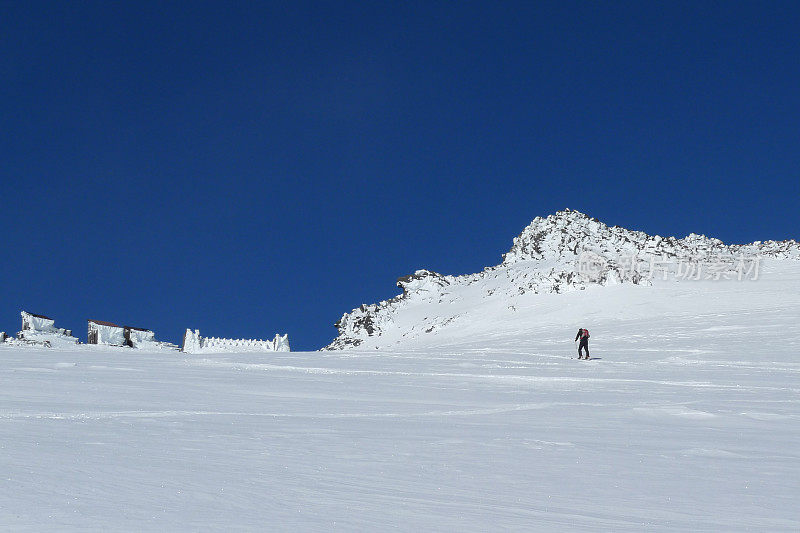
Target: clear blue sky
(262, 167)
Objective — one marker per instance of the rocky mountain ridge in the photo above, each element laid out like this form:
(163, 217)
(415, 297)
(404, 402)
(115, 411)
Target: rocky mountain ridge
(563, 252)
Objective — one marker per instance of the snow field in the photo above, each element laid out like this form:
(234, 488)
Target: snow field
(688, 421)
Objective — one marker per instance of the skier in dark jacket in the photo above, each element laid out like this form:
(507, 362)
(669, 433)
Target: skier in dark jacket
(583, 335)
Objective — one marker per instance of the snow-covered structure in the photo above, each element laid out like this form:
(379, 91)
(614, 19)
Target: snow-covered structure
(2, 336)
(137, 337)
(110, 334)
(564, 252)
(107, 333)
(40, 329)
(193, 342)
(41, 324)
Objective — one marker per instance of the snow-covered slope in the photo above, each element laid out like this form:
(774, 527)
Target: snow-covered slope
(564, 252)
(474, 414)
(687, 419)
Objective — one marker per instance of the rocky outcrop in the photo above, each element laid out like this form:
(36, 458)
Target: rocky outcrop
(568, 233)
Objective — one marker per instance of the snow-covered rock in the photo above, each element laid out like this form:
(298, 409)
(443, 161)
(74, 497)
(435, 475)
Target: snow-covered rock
(193, 342)
(563, 252)
(563, 237)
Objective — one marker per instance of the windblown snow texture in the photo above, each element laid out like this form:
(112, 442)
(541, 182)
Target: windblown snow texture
(543, 259)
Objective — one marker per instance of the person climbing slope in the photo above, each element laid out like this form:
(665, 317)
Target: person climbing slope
(583, 335)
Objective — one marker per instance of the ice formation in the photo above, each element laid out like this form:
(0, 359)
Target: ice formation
(193, 342)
